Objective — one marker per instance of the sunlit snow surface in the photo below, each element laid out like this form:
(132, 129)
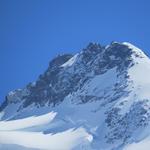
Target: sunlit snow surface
(13, 133)
(142, 145)
(70, 61)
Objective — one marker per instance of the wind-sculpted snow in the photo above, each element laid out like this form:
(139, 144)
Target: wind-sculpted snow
(12, 132)
(98, 99)
(27, 122)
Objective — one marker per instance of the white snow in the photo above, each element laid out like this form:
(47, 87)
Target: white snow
(100, 83)
(139, 74)
(27, 122)
(104, 81)
(13, 133)
(142, 145)
(61, 141)
(70, 61)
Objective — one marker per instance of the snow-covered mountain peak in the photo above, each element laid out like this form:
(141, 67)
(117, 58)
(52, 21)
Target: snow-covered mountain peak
(126, 47)
(136, 50)
(114, 53)
(99, 95)
(66, 72)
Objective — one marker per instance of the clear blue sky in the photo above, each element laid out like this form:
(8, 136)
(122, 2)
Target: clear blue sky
(32, 32)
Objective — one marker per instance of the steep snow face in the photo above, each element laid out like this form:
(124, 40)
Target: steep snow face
(98, 99)
(139, 74)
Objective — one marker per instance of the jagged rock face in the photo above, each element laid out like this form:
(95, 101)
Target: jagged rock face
(57, 82)
(43, 90)
(123, 127)
(109, 79)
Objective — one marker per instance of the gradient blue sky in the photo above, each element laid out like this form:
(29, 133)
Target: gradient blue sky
(32, 32)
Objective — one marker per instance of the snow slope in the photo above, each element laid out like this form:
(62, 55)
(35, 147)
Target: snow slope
(12, 132)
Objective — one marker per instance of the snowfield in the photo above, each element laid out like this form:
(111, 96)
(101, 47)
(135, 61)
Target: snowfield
(12, 133)
(142, 145)
(27, 122)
